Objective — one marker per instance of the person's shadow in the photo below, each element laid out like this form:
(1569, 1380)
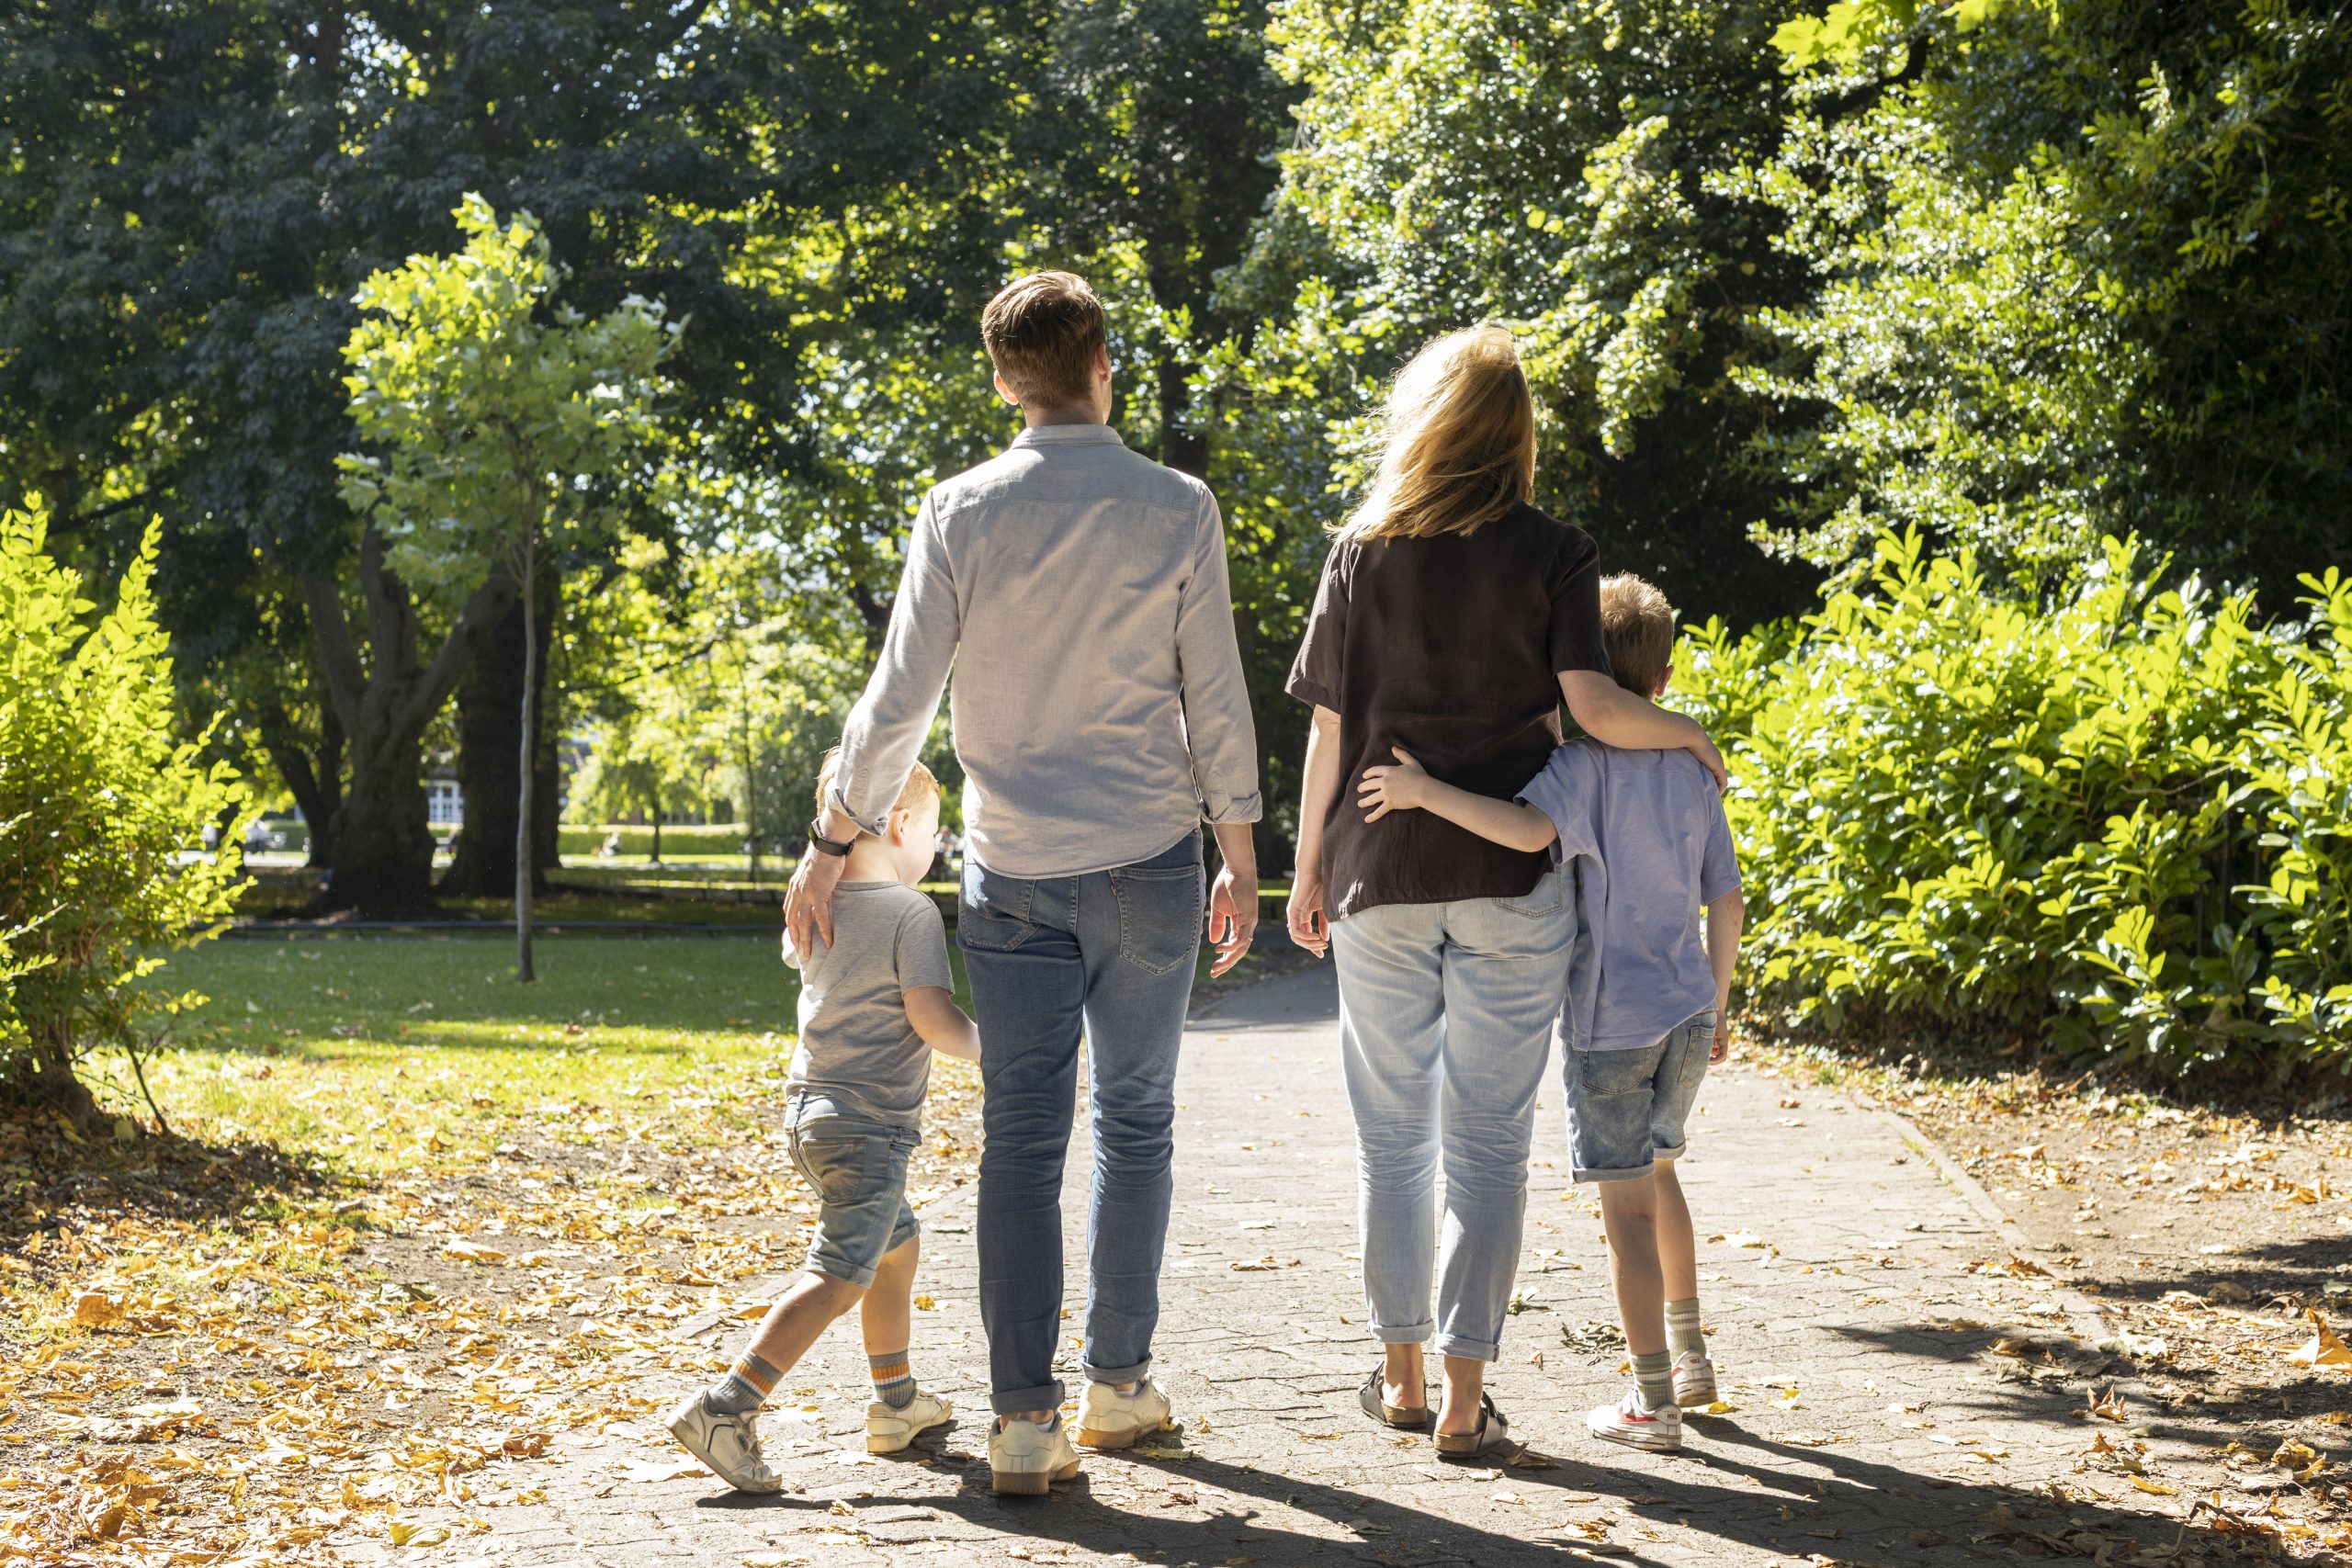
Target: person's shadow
(1861, 1511)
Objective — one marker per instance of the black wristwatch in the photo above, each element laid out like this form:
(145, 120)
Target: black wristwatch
(821, 844)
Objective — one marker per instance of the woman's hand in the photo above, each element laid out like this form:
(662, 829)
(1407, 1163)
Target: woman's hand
(1710, 760)
(1308, 926)
(1399, 787)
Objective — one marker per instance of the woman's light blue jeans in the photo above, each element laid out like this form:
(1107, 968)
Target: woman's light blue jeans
(1110, 955)
(1445, 1019)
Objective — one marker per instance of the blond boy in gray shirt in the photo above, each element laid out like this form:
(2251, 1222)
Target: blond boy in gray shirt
(874, 1005)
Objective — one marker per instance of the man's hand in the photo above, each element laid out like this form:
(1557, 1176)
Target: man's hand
(808, 902)
(1309, 927)
(1233, 916)
(1393, 788)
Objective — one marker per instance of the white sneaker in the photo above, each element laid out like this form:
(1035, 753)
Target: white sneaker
(728, 1444)
(888, 1431)
(1024, 1457)
(1694, 1380)
(1659, 1430)
(1109, 1419)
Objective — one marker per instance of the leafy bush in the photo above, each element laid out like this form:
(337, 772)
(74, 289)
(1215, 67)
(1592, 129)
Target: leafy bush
(101, 863)
(2120, 821)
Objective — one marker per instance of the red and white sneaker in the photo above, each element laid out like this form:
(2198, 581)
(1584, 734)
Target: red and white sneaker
(1694, 1380)
(1658, 1431)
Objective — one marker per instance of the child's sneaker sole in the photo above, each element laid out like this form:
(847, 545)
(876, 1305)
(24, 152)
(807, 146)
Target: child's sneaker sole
(1654, 1441)
(1697, 1393)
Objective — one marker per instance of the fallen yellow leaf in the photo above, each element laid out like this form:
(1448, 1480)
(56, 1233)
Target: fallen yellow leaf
(94, 1309)
(2156, 1487)
(2326, 1350)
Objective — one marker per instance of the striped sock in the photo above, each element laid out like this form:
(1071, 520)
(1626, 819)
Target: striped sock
(745, 1387)
(1682, 1332)
(1654, 1375)
(894, 1380)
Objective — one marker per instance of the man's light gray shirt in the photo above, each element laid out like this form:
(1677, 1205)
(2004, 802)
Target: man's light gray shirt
(1078, 590)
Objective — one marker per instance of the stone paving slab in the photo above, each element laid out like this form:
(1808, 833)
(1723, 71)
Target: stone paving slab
(1870, 1424)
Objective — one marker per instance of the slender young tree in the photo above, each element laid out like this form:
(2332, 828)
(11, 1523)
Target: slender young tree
(497, 438)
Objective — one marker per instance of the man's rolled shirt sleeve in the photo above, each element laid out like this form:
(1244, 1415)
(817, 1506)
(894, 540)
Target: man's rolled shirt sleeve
(1218, 728)
(886, 729)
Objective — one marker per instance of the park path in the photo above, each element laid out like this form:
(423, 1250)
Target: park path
(1855, 1294)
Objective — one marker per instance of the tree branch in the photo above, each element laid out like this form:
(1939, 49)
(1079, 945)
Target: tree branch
(485, 607)
(338, 654)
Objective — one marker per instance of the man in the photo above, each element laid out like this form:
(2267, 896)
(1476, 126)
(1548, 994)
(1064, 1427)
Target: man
(1079, 592)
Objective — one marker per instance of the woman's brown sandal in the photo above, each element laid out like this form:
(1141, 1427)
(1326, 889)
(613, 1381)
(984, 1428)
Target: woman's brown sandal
(1493, 1429)
(1411, 1417)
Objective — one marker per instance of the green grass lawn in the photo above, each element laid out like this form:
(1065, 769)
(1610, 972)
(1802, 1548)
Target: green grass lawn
(378, 1053)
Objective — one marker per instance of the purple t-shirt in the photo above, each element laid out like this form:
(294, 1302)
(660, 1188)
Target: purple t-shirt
(1646, 832)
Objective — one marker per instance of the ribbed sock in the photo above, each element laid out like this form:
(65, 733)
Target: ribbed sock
(745, 1387)
(894, 1380)
(1654, 1376)
(1682, 1332)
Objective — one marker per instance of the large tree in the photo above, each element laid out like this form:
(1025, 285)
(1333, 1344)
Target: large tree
(188, 199)
(2087, 269)
(1550, 167)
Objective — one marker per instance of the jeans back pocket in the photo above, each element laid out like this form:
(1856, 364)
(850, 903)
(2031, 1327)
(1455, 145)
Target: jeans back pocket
(993, 912)
(1161, 912)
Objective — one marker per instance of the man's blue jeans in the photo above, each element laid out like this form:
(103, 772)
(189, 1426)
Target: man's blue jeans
(1109, 954)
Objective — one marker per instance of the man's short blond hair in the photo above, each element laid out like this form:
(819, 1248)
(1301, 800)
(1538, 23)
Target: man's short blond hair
(1638, 628)
(1041, 333)
(920, 785)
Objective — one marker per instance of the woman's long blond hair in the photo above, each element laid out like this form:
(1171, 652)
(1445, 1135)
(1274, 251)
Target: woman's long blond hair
(1457, 441)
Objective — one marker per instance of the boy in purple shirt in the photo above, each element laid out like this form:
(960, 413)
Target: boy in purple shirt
(1651, 846)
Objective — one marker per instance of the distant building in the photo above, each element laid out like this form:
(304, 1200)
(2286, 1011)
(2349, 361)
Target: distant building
(444, 803)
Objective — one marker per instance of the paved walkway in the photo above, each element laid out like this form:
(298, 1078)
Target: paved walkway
(1855, 1297)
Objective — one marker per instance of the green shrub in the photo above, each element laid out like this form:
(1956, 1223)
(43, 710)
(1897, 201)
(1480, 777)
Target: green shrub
(581, 840)
(101, 865)
(2121, 822)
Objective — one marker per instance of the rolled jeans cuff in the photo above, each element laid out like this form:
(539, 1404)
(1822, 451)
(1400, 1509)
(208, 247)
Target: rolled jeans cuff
(1468, 1349)
(1117, 1375)
(1021, 1401)
(1409, 1334)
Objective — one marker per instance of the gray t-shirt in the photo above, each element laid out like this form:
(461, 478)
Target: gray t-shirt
(856, 1046)
(1646, 832)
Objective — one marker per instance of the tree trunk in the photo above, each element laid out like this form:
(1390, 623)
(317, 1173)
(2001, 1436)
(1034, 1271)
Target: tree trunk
(314, 781)
(384, 845)
(383, 841)
(45, 1077)
(526, 759)
(657, 827)
(1181, 446)
(490, 747)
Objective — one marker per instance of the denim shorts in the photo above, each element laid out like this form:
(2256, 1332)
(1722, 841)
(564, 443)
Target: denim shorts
(858, 1170)
(1626, 1108)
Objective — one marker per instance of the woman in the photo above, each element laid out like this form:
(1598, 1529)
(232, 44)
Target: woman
(1453, 619)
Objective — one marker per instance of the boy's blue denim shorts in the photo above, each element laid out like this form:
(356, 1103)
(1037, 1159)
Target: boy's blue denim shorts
(1626, 1109)
(858, 1169)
